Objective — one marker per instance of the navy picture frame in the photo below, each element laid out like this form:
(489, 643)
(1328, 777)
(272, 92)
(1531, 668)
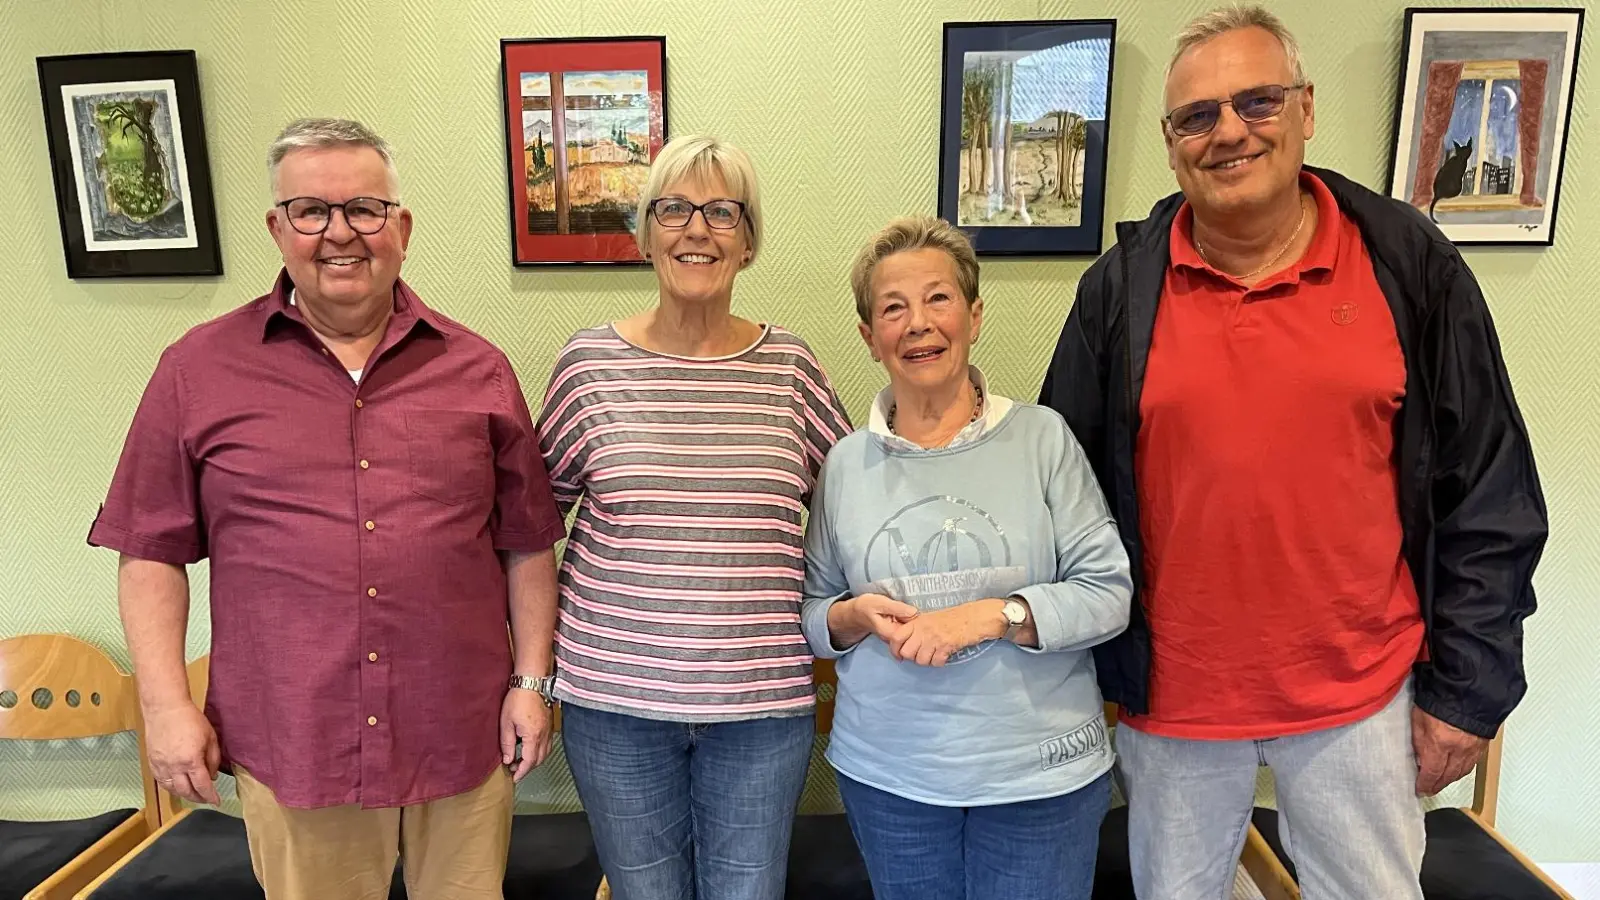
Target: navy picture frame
(961, 38)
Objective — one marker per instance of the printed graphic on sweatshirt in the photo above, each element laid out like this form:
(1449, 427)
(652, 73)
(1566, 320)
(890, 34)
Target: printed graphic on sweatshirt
(941, 552)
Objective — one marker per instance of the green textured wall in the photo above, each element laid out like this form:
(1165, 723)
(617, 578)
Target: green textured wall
(837, 100)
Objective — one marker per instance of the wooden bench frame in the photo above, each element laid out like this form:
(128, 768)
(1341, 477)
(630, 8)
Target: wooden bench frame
(61, 663)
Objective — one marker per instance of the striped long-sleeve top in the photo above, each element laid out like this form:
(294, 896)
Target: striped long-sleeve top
(680, 585)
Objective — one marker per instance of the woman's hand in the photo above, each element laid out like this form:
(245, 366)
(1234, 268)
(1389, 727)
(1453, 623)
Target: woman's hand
(930, 638)
(850, 621)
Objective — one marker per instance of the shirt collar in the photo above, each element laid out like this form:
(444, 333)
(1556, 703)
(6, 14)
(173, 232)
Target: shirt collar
(1320, 254)
(994, 410)
(278, 307)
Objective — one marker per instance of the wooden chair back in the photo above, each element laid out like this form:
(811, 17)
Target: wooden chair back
(58, 687)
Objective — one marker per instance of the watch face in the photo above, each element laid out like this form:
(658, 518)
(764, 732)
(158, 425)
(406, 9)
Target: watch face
(1014, 612)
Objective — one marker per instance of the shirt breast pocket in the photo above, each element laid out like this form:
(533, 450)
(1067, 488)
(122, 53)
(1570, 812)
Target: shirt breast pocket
(451, 459)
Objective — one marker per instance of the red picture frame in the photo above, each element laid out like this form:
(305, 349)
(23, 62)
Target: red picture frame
(584, 119)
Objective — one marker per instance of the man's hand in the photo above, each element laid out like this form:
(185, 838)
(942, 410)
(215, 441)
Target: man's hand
(524, 715)
(930, 638)
(184, 753)
(1444, 752)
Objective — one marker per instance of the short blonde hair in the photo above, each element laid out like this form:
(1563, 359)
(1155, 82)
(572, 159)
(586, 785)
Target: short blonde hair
(702, 158)
(913, 233)
(318, 134)
(1224, 19)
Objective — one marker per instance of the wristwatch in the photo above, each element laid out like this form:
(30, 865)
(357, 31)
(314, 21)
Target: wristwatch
(545, 686)
(1016, 613)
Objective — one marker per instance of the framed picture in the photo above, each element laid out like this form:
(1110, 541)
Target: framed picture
(1480, 129)
(1022, 134)
(584, 118)
(128, 150)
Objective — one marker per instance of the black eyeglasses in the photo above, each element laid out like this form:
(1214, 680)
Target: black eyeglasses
(675, 212)
(311, 215)
(1251, 105)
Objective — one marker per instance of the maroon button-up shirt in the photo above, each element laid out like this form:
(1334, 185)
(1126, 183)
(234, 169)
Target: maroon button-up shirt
(360, 644)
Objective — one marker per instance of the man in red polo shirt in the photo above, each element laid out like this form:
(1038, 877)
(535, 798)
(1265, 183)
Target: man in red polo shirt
(1293, 396)
(364, 477)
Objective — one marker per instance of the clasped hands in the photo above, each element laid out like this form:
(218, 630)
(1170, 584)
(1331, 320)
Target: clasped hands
(925, 638)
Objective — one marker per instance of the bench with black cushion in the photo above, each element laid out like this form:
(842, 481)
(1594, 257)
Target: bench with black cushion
(30, 852)
(1462, 861)
(552, 858)
(824, 862)
(206, 855)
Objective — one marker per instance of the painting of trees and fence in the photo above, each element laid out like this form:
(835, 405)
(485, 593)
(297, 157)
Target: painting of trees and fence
(1024, 127)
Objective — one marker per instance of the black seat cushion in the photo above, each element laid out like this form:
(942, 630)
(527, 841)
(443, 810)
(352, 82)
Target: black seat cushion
(1113, 873)
(1461, 860)
(824, 862)
(552, 858)
(204, 857)
(30, 852)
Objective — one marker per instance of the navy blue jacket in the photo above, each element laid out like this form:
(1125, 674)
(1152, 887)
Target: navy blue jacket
(1471, 507)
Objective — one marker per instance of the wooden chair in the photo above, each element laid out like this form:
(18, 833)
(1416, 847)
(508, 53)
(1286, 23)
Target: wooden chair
(56, 687)
(1465, 857)
(205, 852)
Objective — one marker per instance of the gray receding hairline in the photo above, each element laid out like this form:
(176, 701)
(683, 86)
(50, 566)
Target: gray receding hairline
(319, 133)
(1224, 19)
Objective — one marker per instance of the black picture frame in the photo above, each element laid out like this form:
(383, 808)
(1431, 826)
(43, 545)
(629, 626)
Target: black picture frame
(623, 85)
(1067, 71)
(122, 216)
(1494, 59)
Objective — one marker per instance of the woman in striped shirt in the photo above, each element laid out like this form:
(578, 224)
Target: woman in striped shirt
(689, 439)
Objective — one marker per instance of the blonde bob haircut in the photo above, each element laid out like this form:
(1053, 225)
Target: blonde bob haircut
(913, 233)
(698, 157)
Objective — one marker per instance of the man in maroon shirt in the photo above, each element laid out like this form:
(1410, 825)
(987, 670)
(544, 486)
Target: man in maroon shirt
(363, 475)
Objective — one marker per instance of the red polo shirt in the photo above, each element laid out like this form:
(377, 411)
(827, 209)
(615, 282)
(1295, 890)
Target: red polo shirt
(359, 617)
(1278, 599)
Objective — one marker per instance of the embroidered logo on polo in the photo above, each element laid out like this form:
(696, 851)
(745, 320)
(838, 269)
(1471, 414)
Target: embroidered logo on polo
(1344, 313)
(965, 557)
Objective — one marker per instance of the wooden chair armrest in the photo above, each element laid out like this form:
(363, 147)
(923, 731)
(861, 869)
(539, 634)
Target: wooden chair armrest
(110, 873)
(86, 866)
(1266, 870)
(1518, 855)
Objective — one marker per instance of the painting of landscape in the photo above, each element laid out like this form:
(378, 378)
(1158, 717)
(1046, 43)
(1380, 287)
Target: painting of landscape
(1025, 119)
(587, 166)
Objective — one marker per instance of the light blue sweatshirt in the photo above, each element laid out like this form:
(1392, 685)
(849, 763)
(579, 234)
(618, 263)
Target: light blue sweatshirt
(1013, 511)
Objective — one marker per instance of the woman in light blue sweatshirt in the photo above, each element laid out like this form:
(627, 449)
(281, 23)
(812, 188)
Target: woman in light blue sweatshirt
(960, 562)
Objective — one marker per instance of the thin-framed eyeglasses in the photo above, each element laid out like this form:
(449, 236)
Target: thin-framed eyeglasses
(675, 212)
(312, 215)
(1251, 105)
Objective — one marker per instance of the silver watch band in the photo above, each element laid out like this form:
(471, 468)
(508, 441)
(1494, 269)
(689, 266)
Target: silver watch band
(544, 686)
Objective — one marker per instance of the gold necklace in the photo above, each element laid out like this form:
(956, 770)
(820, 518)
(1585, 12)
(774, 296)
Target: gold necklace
(1281, 250)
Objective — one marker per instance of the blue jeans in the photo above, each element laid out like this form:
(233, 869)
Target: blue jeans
(689, 812)
(1034, 850)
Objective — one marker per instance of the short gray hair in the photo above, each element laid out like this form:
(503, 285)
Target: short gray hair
(913, 233)
(700, 157)
(317, 134)
(1224, 19)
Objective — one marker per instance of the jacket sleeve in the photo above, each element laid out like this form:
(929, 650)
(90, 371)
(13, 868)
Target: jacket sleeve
(1489, 513)
(1074, 384)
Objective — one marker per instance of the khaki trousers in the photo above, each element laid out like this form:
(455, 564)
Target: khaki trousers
(454, 847)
